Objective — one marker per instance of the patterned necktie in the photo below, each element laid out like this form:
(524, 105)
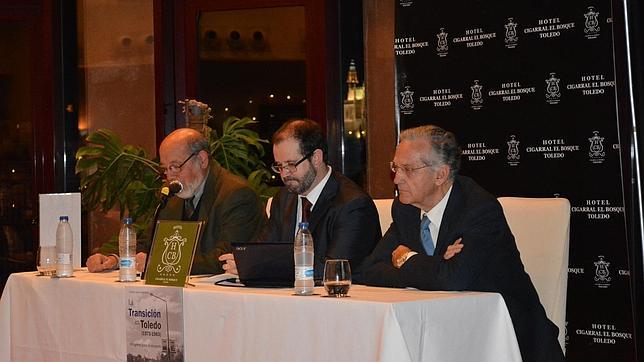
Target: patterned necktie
(306, 209)
(426, 236)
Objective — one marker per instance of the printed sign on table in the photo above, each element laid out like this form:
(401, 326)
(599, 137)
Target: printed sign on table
(154, 324)
(173, 249)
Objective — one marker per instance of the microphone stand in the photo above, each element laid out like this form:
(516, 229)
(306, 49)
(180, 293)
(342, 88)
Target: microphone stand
(160, 207)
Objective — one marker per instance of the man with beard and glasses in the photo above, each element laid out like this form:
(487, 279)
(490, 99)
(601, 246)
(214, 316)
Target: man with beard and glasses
(230, 209)
(342, 218)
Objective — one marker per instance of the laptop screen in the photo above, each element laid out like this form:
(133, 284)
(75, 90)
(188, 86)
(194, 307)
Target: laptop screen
(265, 264)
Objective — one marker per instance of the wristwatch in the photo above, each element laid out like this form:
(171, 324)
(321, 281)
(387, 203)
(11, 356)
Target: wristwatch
(116, 266)
(403, 258)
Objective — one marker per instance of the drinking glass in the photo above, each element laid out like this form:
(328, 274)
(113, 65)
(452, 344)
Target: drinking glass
(46, 260)
(337, 277)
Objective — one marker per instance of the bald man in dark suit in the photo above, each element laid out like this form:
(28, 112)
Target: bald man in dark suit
(230, 209)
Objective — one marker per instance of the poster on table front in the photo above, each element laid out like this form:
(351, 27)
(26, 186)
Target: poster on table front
(154, 317)
(528, 87)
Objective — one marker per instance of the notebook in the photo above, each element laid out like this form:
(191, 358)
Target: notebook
(265, 265)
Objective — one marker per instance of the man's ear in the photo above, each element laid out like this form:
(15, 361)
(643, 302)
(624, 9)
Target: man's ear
(442, 174)
(204, 158)
(317, 157)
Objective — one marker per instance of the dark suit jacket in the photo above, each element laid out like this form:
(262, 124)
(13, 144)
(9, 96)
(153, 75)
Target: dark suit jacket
(344, 223)
(488, 262)
(231, 211)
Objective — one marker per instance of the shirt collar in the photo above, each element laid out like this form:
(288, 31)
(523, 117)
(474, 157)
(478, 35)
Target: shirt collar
(314, 195)
(435, 215)
(199, 190)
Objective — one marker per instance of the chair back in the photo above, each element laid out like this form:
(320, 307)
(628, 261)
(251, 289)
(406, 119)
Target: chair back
(541, 228)
(384, 213)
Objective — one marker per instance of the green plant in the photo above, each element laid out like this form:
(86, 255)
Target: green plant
(123, 176)
(240, 150)
(116, 175)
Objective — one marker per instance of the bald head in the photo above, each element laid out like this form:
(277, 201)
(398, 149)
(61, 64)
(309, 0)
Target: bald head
(187, 140)
(184, 156)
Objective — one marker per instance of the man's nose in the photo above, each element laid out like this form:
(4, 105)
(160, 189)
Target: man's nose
(398, 177)
(285, 171)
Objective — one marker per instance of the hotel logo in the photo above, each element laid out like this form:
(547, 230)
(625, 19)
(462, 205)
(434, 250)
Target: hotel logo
(602, 278)
(511, 38)
(407, 101)
(441, 45)
(596, 149)
(591, 25)
(477, 96)
(553, 93)
(513, 151)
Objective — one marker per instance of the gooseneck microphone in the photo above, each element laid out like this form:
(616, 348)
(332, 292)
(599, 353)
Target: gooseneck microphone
(173, 188)
(167, 191)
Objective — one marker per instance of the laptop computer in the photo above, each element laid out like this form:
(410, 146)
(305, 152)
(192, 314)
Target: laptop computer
(264, 264)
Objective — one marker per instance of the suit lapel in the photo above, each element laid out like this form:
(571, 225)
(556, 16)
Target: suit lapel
(324, 201)
(172, 211)
(288, 219)
(209, 191)
(446, 234)
(410, 228)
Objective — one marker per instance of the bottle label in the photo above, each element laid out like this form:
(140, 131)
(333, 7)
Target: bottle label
(303, 272)
(64, 258)
(127, 262)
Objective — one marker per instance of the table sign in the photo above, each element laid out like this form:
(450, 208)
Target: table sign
(154, 320)
(173, 249)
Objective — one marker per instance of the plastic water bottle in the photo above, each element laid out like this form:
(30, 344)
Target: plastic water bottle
(303, 252)
(127, 251)
(64, 248)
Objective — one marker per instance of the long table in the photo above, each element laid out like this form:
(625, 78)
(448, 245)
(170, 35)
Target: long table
(83, 319)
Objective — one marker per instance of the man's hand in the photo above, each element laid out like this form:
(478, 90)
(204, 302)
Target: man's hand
(229, 266)
(99, 262)
(397, 253)
(453, 249)
(140, 261)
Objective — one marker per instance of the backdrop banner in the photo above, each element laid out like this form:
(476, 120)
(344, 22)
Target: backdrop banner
(528, 87)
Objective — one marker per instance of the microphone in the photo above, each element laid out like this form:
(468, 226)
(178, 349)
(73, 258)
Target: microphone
(168, 191)
(173, 188)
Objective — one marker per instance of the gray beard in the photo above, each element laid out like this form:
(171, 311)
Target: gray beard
(305, 184)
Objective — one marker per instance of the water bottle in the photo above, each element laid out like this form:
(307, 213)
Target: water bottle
(127, 251)
(64, 248)
(303, 252)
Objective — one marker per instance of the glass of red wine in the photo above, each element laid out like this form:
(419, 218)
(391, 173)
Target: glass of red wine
(337, 277)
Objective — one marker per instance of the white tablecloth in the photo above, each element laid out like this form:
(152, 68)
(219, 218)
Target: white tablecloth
(83, 319)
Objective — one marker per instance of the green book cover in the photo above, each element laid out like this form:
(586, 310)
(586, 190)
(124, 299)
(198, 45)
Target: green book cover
(173, 249)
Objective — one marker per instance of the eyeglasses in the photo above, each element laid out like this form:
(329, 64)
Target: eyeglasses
(405, 169)
(177, 168)
(289, 166)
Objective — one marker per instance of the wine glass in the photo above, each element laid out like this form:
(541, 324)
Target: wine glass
(46, 260)
(337, 277)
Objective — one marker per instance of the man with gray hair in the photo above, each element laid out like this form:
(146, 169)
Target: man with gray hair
(230, 209)
(448, 233)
